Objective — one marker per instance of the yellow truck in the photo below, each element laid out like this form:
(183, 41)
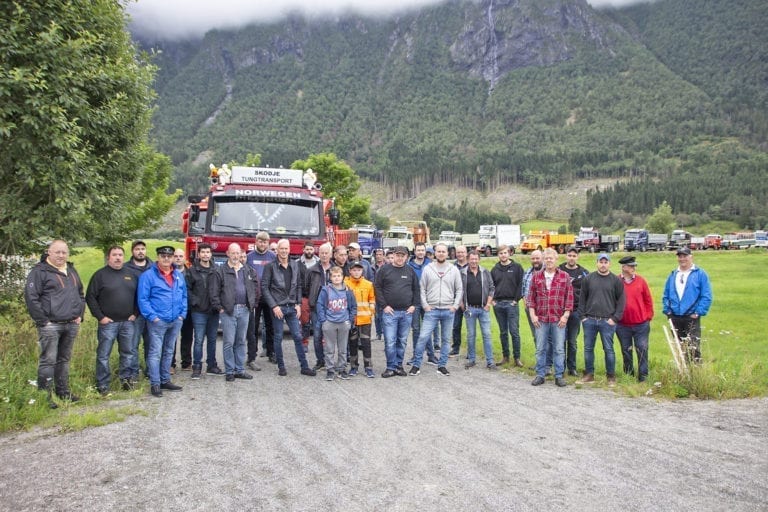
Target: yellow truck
(540, 240)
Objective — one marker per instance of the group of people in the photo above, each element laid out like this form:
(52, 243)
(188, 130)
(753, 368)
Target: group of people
(338, 298)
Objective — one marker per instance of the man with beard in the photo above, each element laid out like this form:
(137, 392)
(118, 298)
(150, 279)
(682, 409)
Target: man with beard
(441, 293)
(417, 262)
(205, 319)
(508, 283)
(307, 260)
(138, 264)
(257, 259)
(578, 273)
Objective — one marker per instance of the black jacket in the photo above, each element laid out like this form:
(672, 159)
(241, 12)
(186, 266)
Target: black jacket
(275, 290)
(198, 285)
(318, 278)
(222, 288)
(53, 296)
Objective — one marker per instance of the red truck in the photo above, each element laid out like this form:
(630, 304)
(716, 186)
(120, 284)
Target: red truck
(286, 203)
(592, 240)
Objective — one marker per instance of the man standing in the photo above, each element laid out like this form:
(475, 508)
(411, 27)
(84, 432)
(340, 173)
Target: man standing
(341, 258)
(379, 261)
(162, 296)
(461, 264)
(536, 265)
(111, 297)
(138, 264)
(205, 319)
(417, 262)
(180, 264)
(635, 326)
(397, 292)
(258, 259)
(508, 280)
(307, 260)
(578, 273)
(478, 290)
(550, 302)
(280, 288)
(55, 301)
(441, 293)
(233, 295)
(687, 297)
(319, 276)
(601, 306)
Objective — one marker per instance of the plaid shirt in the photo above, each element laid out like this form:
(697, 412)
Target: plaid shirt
(550, 304)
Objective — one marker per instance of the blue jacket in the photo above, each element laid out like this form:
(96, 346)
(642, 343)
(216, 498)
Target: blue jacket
(697, 295)
(334, 305)
(158, 300)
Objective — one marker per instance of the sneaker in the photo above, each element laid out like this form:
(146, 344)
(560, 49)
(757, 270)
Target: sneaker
(244, 376)
(343, 375)
(491, 367)
(281, 372)
(196, 374)
(388, 373)
(352, 372)
(369, 373)
(127, 384)
(611, 381)
(414, 371)
(319, 366)
(309, 372)
(410, 362)
(433, 361)
(155, 390)
(253, 366)
(560, 382)
(214, 370)
(469, 365)
(329, 375)
(68, 396)
(442, 370)
(400, 372)
(230, 377)
(103, 391)
(170, 386)
(538, 381)
(588, 378)
(518, 363)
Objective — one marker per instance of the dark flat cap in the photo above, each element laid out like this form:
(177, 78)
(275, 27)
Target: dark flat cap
(628, 260)
(166, 249)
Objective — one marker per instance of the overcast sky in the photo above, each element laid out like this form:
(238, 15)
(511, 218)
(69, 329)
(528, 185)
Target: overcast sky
(192, 18)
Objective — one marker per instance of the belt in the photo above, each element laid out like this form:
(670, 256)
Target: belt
(476, 306)
(62, 322)
(599, 317)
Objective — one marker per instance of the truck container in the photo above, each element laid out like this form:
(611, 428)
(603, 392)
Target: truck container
(540, 240)
(641, 240)
(491, 236)
(590, 239)
(368, 237)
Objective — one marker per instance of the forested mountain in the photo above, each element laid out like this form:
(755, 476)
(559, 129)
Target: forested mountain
(478, 94)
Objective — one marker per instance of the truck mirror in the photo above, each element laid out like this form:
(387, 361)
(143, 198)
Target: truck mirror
(194, 213)
(334, 215)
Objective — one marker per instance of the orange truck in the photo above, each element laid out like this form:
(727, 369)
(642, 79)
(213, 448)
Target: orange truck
(540, 240)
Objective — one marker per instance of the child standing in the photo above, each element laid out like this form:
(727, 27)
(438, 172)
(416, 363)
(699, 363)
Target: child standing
(336, 310)
(360, 334)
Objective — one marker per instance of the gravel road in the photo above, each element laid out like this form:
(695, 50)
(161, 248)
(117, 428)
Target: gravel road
(475, 440)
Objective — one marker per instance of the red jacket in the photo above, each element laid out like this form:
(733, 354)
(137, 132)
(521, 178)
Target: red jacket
(639, 306)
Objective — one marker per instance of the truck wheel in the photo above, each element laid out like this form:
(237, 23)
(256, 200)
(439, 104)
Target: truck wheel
(592, 249)
(643, 248)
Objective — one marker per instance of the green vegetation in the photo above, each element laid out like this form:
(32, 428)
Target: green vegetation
(74, 118)
(464, 218)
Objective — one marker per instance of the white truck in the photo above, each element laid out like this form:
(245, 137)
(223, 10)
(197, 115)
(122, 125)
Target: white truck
(494, 235)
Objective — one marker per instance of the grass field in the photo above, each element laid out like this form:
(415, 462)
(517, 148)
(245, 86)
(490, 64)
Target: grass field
(733, 344)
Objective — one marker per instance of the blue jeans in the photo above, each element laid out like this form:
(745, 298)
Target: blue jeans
(162, 343)
(396, 327)
(139, 329)
(593, 326)
(508, 318)
(550, 339)
(433, 318)
(56, 341)
(107, 334)
(234, 328)
(289, 316)
(206, 325)
(572, 330)
(416, 322)
(637, 335)
(474, 315)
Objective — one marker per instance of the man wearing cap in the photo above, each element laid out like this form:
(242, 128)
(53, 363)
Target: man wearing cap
(138, 264)
(356, 255)
(397, 293)
(577, 273)
(162, 297)
(601, 306)
(55, 301)
(257, 259)
(687, 297)
(634, 328)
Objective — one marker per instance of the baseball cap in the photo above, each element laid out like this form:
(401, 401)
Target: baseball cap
(354, 245)
(357, 264)
(400, 249)
(684, 250)
(603, 256)
(137, 242)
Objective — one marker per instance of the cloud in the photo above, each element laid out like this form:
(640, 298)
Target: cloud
(187, 19)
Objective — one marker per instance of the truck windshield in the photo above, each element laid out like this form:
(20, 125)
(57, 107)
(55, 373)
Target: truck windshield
(298, 218)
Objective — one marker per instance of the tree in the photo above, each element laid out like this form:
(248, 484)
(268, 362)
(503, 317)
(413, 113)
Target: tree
(661, 220)
(74, 119)
(339, 181)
